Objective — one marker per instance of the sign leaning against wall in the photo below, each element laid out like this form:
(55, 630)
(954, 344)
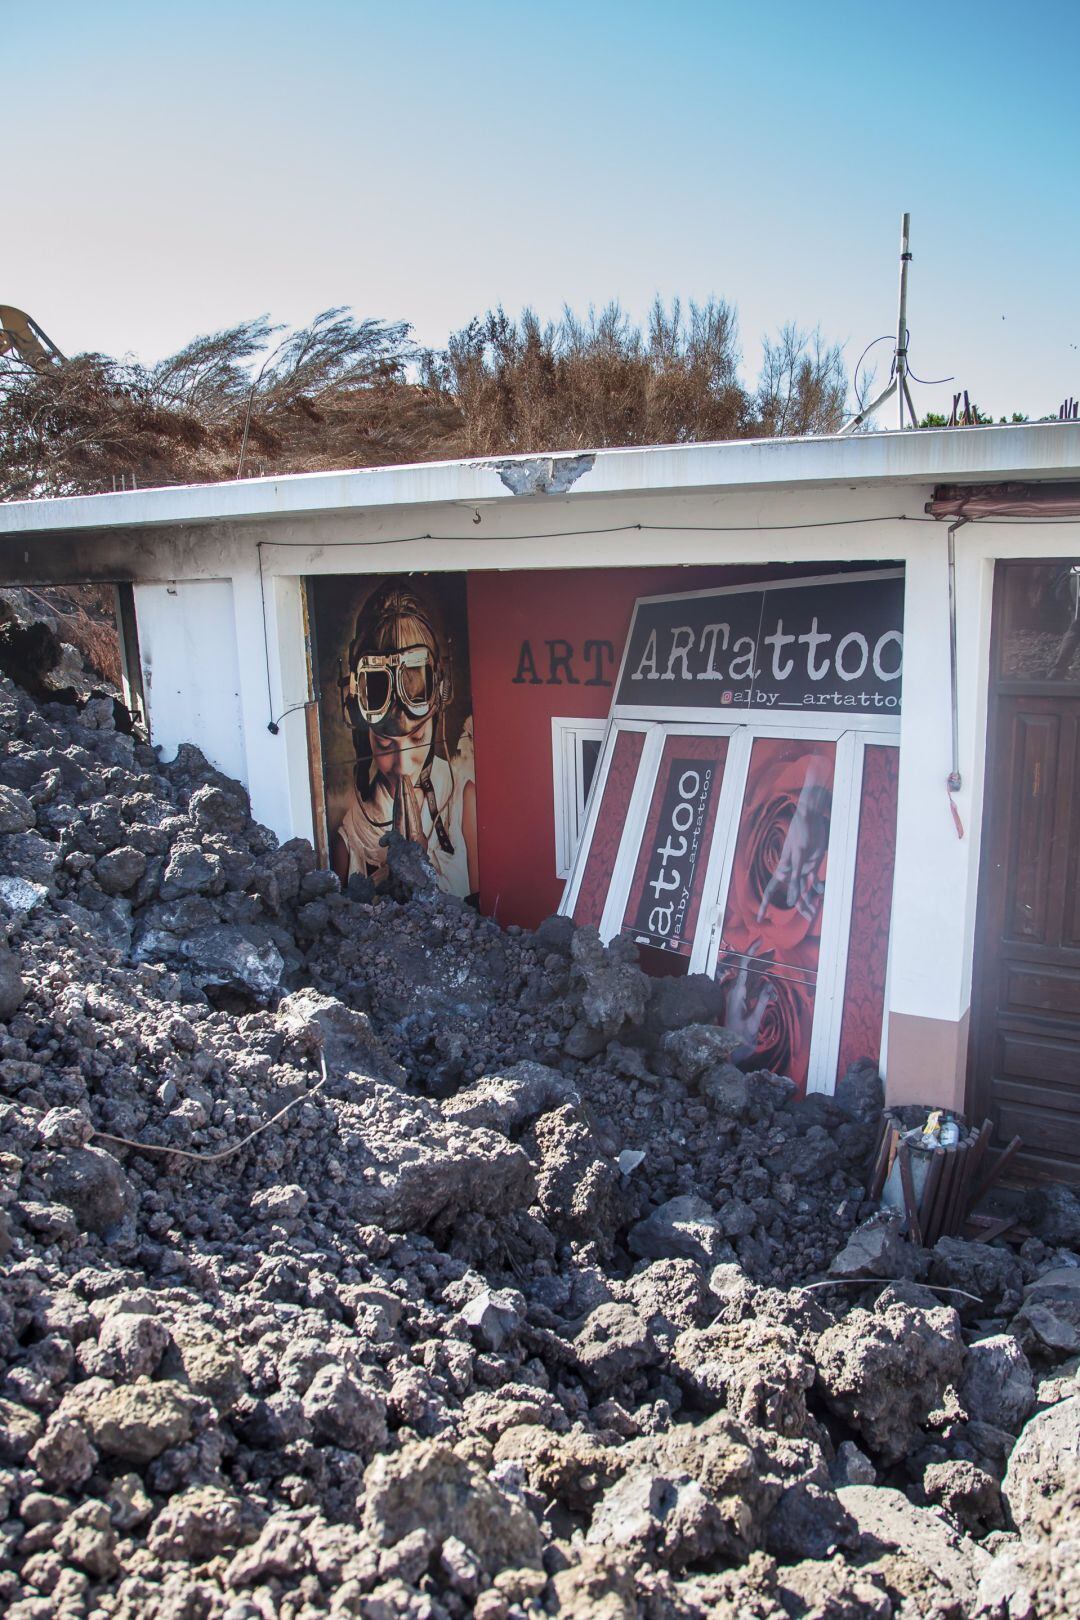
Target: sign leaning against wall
(743, 816)
(391, 668)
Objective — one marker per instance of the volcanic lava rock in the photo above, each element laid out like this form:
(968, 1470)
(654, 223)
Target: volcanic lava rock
(1053, 1214)
(132, 1422)
(16, 812)
(63, 1456)
(998, 1386)
(992, 1275)
(19, 1429)
(613, 1343)
(683, 1228)
(509, 1101)
(345, 1412)
(397, 1342)
(1044, 1464)
(198, 1524)
(426, 1486)
(885, 1371)
(879, 1250)
(967, 1493)
(12, 984)
(120, 870)
(1048, 1322)
(888, 1522)
(756, 1371)
(92, 1184)
(410, 1169)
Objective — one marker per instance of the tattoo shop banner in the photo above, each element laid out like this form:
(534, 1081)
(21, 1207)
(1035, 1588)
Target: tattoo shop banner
(665, 894)
(823, 647)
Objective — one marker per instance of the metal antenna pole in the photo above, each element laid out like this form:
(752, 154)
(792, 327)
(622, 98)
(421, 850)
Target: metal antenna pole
(897, 383)
(903, 393)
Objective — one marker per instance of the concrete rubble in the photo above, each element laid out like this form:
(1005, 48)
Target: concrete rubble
(503, 1316)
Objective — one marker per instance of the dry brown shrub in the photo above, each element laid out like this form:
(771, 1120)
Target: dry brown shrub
(349, 393)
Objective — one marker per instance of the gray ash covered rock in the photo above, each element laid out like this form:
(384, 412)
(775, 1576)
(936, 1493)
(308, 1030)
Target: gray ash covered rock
(497, 1316)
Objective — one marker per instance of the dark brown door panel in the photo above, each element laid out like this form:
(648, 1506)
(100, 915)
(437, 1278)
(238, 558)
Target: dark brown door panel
(1042, 1132)
(1025, 1047)
(1029, 988)
(1036, 747)
(1036, 1058)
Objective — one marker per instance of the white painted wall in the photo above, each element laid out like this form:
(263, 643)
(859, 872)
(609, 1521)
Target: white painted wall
(189, 649)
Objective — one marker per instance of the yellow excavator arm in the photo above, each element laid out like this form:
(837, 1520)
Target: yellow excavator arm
(21, 334)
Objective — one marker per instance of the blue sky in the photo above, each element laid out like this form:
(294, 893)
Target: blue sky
(183, 165)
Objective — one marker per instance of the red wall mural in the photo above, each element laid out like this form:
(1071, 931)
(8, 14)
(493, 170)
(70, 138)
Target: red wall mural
(868, 942)
(771, 937)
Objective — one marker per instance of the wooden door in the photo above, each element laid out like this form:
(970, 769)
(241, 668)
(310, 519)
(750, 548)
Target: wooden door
(1026, 1045)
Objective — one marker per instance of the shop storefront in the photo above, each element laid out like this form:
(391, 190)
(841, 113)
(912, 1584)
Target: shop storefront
(793, 715)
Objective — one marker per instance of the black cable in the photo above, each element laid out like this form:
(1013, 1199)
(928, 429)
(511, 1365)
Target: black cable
(855, 374)
(573, 534)
(929, 382)
(585, 534)
(556, 534)
(274, 726)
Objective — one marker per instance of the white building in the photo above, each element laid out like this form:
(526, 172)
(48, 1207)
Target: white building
(240, 599)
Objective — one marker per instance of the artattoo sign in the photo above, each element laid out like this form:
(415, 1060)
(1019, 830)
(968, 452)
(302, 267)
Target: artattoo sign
(661, 899)
(831, 647)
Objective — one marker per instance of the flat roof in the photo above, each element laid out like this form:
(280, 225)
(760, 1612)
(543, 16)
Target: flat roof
(1021, 451)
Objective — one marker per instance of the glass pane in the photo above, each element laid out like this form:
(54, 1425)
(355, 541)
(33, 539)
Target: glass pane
(771, 938)
(1040, 632)
(590, 759)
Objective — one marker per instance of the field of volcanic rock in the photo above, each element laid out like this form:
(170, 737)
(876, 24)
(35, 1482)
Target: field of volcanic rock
(360, 1258)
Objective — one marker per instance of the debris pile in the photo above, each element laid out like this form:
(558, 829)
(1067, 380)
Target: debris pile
(500, 1314)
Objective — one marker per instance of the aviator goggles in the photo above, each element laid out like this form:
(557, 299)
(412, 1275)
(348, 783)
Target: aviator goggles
(412, 675)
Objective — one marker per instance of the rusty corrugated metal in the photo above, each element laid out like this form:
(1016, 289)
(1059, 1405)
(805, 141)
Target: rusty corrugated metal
(1049, 500)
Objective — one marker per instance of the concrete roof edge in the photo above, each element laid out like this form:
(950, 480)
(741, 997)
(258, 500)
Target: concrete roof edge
(926, 456)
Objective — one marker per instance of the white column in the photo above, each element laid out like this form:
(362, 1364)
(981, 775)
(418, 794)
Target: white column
(936, 875)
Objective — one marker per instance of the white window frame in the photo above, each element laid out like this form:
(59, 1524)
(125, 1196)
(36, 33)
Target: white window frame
(568, 735)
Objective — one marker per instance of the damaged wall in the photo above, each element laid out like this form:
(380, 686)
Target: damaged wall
(190, 669)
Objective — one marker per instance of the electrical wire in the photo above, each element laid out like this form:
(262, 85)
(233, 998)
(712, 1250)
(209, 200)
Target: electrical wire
(929, 382)
(584, 534)
(885, 338)
(275, 725)
(222, 1153)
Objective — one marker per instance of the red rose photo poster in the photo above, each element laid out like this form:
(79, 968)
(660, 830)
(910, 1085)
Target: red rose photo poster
(772, 924)
(665, 895)
(607, 834)
(871, 909)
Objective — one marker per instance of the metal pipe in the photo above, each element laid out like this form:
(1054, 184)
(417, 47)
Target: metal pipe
(954, 782)
(897, 383)
(901, 322)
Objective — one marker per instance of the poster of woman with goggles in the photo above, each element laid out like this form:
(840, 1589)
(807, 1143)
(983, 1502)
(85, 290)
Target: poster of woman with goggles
(396, 721)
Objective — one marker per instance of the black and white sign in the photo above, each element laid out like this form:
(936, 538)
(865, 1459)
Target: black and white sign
(826, 647)
(664, 895)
